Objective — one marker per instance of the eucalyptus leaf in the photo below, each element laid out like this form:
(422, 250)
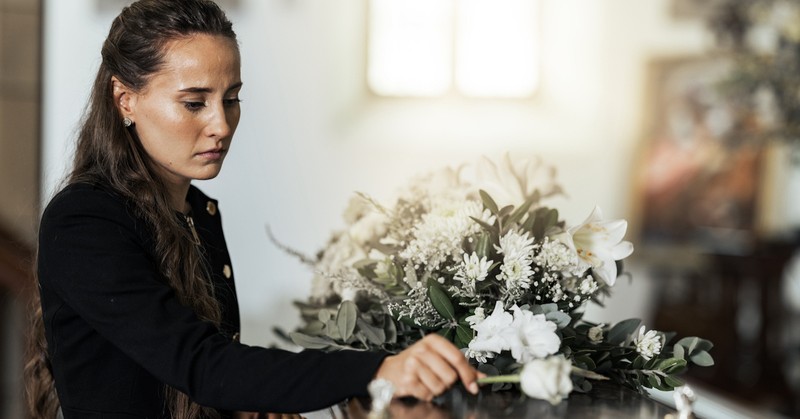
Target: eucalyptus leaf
(549, 307)
(702, 358)
(346, 319)
(678, 352)
(689, 343)
(560, 318)
(622, 330)
(441, 302)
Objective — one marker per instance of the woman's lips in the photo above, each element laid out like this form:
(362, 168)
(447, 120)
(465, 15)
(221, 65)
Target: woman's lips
(215, 154)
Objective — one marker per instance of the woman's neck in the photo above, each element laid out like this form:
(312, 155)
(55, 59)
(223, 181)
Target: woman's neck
(177, 196)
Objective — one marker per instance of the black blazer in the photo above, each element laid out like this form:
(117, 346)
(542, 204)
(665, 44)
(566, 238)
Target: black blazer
(116, 331)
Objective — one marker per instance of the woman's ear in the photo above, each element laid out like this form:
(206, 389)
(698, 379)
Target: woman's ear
(124, 98)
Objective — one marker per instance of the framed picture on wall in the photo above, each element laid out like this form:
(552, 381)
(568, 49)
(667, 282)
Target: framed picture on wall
(697, 183)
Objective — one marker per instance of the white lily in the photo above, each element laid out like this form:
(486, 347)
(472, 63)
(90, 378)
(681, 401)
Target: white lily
(599, 244)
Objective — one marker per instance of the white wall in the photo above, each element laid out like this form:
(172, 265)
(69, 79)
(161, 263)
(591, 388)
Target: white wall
(310, 134)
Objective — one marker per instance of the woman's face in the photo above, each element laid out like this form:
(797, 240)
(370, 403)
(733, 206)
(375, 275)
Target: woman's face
(187, 113)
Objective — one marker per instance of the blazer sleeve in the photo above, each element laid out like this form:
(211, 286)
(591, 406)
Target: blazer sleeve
(93, 256)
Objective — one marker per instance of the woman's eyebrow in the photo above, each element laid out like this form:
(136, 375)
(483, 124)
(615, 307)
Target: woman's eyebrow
(208, 89)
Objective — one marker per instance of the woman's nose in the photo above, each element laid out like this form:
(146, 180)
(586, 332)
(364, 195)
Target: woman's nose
(219, 125)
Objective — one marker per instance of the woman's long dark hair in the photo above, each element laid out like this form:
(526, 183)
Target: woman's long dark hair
(110, 154)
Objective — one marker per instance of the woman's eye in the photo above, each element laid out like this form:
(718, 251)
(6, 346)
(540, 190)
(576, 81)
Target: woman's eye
(194, 106)
(232, 102)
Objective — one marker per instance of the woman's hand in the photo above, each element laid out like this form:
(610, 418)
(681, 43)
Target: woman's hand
(428, 368)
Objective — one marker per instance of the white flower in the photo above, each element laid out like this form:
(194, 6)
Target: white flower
(370, 226)
(598, 244)
(530, 336)
(513, 182)
(648, 344)
(473, 269)
(516, 272)
(596, 333)
(557, 256)
(441, 231)
(588, 285)
(488, 337)
(476, 318)
(547, 379)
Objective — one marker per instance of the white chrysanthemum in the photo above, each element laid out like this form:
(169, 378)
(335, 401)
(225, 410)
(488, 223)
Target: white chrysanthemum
(515, 272)
(471, 270)
(441, 231)
(648, 344)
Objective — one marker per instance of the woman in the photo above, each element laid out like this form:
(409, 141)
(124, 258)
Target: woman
(138, 314)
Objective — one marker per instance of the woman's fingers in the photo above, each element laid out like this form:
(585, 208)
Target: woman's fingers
(427, 368)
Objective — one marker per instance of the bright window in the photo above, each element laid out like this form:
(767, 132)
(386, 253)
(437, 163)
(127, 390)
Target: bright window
(478, 48)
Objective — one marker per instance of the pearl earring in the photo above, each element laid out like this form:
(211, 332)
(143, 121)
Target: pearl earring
(127, 122)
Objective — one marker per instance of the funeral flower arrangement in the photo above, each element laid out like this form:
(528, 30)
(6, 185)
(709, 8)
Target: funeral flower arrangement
(475, 255)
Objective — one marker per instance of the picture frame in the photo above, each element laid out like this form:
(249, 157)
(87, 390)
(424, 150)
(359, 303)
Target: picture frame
(697, 184)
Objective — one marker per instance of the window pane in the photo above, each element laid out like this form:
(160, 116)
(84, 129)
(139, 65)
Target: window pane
(497, 47)
(410, 49)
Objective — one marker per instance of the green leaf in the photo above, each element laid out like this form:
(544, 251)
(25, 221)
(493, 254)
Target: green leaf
(702, 358)
(483, 245)
(505, 211)
(324, 315)
(441, 302)
(638, 363)
(463, 335)
(560, 318)
(678, 352)
(488, 202)
(311, 342)
(346, 319)
(446, 333)
(390, 329)
(672, 381)
(669, 364)
(622, 330)
(487, 227)
(522, 210)
(374, 334)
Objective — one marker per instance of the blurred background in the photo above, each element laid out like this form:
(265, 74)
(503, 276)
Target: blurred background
(681, 116)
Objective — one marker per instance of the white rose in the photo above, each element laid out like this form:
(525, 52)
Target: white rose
(547, 379)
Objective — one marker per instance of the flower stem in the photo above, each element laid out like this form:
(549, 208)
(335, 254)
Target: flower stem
(513, 378)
